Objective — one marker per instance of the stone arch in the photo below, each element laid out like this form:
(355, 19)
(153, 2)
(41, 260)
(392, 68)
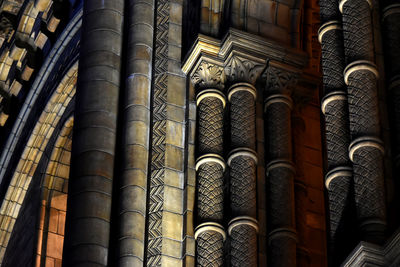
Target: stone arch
(32, 155)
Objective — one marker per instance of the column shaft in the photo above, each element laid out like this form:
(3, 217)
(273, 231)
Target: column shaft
(210, 234)
(391, 30)
(280, 174)
(242, 160)
(135, 145)
(337, 136)
(94, 137)
(365, 150)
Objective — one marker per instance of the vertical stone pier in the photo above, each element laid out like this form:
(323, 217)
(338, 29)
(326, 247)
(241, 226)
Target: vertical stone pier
(282, 237)
(366, 148)
(335, 109)
(242, 160)
(210, 165)
(94, 137)
(136, 132)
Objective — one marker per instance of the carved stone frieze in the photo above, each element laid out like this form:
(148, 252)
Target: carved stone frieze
(279, 79)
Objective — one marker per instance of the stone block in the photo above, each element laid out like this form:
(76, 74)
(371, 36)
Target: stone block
(171, 262)
(175, 13)
(113, 5)
(173, 199)
(94, 183)
(136, 156)
(190, 197)
(133, 198)
(53, 220)
(109, 20)
(92, 204)
(189, 223)
(174, 178)
(175, 134)
(133, 225)
(95, 138)
(137, 133)
(140, 51)
(141, 13)
(174, 157)
(102, 39)
(54, 245)
(175, 113)
(141, 33)
(100, 73)
(138, 90)
(175, 34)
(131, 246)
(140, 66)
(172, 248)
(90, 231)
(130, 261)
(172, 225)
(137, 113)
(134, 177)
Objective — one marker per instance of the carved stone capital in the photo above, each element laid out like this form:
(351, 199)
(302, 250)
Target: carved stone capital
(279, 78)
(208, 75)
(241, 69)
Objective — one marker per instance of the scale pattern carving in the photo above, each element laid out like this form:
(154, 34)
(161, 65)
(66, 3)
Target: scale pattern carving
(368, 183)
(279, 131)
(243, 120)
(243, 186)
(243, 242)
(211, 126)
(357, 31)
(154, 246)
(363, 104)
(337, 134)
(210, 249)
(329, 10)
(210, 190)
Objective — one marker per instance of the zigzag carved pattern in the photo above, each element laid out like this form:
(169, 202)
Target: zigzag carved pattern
(357, 31)
(156, 200)
(211, 126)
(210, 249)
(243, 120)
(337, 134)
(243, 186)
(243, 246)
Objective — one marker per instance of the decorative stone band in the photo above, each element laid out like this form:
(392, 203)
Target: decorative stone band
(207, 158)
(278, 98)
(283, 232)
(359, 65)
(365, 141)
(341, 171)
(394, 82)
(237, 87)
(390, 10)
(332, 96)
(242, 152)
(375, 222)
(242, 220)
(280, 163)
(328, 26)
(210, 226)
(342, 2)
(211, 93)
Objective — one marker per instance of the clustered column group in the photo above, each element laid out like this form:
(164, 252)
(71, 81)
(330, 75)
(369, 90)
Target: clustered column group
(350, 106)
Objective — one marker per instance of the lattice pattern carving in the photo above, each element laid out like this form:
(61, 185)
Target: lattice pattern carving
(363, 104)
(279, 131)
(243, 246)
(357, 31)
(156, 199)
(281, 198)
(368, 184)
(337, 134)
(210, 249)
(243, 120)
(210, 193)
(210, 126)
(243, 186)
(329, 10)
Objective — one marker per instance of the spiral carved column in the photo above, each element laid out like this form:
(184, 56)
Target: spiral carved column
(210, 166)
(335, 110)
(391, 26)
(366, 149)
(242, 161)
(282, 236)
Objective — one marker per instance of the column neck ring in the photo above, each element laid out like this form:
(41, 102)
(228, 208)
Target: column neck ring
(242, 151)
(341, 171)
(210, 93)
(359, 65)
(278, 98)
(342, 2)
(328, 26)
(237, 87)
(332, 96)
(207, 158)
(210, 226)
(365, 141)
(242, 220)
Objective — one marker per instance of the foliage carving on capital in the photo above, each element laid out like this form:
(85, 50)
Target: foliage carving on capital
(279, 80)
(209, 75)
(240, 69)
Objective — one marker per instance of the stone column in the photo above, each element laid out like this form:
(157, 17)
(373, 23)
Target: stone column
(94, 137)
(135, 145)
(366, 149)
(242, 160)
(280, 169)
(335, 109)
(391, 35)
(210, 165)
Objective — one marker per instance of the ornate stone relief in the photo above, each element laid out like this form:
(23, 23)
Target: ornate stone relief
(208, 75)
(240, 69)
